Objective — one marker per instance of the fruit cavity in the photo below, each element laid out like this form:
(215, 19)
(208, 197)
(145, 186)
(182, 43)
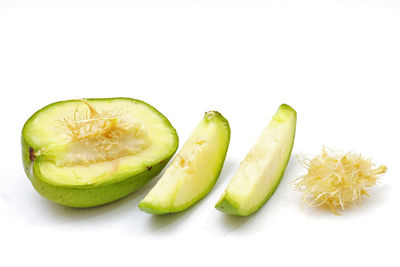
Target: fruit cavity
(99, 136)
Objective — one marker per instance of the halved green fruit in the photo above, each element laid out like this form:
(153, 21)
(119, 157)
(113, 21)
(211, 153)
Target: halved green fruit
(263, 167)
(84, 153)
(194, 171)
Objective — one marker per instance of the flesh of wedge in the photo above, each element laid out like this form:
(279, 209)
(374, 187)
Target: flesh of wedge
(74, 150)
(263, 167)
(194, 171)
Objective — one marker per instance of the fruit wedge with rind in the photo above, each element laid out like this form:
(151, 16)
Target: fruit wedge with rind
(263, 167)
(84, 153)
(195, 169)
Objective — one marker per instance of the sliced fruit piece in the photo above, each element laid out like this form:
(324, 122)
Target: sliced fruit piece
(84, 153)
(263, 167)
(195, 169)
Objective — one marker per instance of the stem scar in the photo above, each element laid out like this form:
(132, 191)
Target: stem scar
(31, 154)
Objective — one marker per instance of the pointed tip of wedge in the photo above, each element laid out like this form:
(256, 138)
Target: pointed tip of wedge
(212, 114)
(227, 206)
(149, 208)
(287, 107)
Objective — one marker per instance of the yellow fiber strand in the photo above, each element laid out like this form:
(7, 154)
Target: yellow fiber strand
(337, 181)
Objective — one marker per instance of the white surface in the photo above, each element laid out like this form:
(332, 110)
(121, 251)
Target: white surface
(336, 62)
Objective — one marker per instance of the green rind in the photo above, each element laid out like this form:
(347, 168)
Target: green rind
(82, 196)
(228, 206)
(149, 208)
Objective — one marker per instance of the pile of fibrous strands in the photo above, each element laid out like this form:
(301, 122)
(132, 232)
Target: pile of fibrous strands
(336, 180)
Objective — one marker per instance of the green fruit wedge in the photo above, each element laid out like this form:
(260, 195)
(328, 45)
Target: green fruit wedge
(261, 171)
(195, 169)
(84, 153)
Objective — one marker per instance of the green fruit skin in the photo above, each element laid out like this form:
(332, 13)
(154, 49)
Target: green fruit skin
(84, 196)
(149, 208)
(228, 206)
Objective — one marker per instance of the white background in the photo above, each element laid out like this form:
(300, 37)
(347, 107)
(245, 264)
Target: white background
(336, 62)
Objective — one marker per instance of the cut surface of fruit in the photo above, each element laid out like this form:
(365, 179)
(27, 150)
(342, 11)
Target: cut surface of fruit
(195, 169)
(84, 144)
(260, 172)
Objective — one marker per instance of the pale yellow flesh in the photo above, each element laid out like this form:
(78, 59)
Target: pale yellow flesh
(264, 164)
(194, 169)
(49, 136)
